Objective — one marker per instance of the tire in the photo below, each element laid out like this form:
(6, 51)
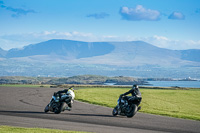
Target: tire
(46, 109)
(58, 109)
(115, 111)
(132, 111)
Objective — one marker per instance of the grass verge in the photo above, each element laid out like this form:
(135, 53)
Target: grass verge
(174, 103)
(11, 129)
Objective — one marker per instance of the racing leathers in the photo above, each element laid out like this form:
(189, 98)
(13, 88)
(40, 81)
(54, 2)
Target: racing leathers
(60, 93)
(136, 95)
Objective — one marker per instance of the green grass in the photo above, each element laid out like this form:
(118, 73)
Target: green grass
(175, 103)
(9, 129)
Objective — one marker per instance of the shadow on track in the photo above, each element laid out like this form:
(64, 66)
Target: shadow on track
(36, 112)
(20, 112)
(89, 115)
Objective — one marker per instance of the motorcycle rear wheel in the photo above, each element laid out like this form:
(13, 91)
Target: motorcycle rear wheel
(132, 112)
(57, 110)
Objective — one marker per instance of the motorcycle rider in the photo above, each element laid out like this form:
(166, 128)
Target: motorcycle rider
(136, 96)
(62, 92)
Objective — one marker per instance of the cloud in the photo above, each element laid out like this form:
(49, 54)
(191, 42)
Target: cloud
(46, 35)
(164, 42)
(16, 11)
(160, 38)
(19, 40)
(176, 16)
(139, 13)
(99, 15)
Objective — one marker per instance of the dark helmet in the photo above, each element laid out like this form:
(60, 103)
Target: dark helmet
(135, 87)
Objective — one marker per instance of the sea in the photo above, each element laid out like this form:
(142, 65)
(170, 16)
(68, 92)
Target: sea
(190, 84)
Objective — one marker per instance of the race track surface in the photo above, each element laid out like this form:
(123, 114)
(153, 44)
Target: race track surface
(24, 107)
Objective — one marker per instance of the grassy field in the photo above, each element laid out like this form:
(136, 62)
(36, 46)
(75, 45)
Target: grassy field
(175, 103)
(9, 129)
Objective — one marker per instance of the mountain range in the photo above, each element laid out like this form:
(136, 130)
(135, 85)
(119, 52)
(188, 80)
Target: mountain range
(112, 53)
(117, 55)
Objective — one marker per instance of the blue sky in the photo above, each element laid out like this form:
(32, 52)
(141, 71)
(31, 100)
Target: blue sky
(173, 24)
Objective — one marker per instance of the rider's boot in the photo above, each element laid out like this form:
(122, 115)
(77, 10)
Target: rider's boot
(68, 108)
(139, 108)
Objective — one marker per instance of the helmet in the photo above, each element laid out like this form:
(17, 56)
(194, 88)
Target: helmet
(135, 87)
(71, 88)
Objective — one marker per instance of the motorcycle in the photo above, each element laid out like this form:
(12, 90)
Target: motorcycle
(58, 104)
(127, 106)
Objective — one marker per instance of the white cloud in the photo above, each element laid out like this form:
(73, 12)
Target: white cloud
(160, 38)
(7, 44)
(193, 44)
(19, 40)
(139, 13)
(164, 42)
(177, 16)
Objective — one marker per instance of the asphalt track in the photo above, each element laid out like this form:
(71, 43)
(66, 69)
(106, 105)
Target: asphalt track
(24, 107)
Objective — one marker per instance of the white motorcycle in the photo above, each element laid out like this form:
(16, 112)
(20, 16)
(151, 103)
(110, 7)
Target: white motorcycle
(59, 103)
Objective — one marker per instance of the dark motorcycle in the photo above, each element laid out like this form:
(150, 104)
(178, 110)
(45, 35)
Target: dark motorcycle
(127, 106)
(57, 103)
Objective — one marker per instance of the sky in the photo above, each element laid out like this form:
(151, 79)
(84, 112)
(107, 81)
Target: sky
(171, 24)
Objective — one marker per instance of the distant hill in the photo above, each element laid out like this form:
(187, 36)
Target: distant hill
(75, 49)
(68, 58)
(135, 53)
(80, 80)
(191, 55)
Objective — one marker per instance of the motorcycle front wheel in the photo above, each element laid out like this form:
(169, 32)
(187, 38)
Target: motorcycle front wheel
(46, 109)
(115, 111)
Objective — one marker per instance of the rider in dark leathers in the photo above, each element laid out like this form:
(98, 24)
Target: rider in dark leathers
(136, 95)
(62, 91)
(60, 94)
